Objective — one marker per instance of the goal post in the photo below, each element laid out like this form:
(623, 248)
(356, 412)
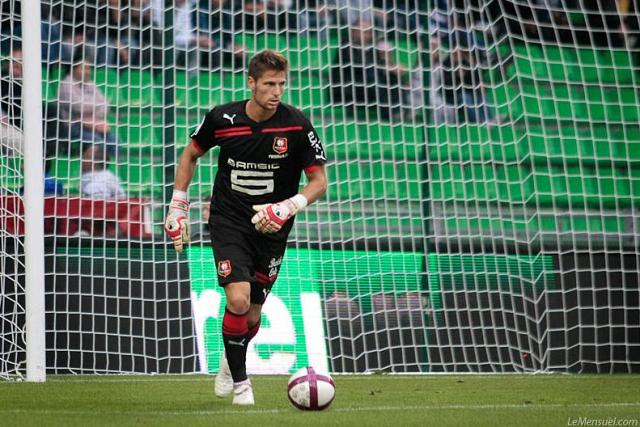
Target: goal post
(33, 193)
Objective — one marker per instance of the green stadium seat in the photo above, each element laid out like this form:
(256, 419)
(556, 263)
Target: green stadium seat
(205, 91)
(462, 182)
(135, 135)
(234, 87)
(306, 97)
(587, 65)
(51, 76)
(68, 171)
(616, 66)
(128, 89)
(373, 180)
(11, 173)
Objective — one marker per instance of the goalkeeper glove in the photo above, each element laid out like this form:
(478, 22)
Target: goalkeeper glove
(272, 216)
(177, 223)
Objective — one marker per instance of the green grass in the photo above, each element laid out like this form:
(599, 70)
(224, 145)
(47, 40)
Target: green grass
(509, 400)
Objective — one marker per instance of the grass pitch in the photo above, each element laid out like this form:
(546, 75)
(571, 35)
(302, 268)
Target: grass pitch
(375, 400)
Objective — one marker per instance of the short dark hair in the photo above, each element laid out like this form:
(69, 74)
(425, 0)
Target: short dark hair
(267, 60)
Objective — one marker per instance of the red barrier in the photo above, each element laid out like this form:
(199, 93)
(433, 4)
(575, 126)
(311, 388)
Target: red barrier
(70, 215)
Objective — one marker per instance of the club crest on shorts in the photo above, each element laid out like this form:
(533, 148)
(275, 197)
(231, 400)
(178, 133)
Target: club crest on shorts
(224, 268)
(280, 145)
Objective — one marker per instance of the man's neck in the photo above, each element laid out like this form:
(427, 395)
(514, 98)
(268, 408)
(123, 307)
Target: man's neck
(257, 113)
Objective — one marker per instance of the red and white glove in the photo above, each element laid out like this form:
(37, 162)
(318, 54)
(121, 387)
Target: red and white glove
(177, 223)
(271, 217)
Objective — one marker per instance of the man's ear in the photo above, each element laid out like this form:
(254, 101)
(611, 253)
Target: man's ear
(252, 83)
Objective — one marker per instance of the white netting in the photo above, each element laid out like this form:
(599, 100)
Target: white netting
(482, 210)
(12, 298)
(533, 174)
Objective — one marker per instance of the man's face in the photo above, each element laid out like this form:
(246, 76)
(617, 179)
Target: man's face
(267, 90)
(82, 72)
(362, 33)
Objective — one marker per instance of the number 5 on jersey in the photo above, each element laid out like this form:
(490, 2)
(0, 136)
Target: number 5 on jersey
(253, 183)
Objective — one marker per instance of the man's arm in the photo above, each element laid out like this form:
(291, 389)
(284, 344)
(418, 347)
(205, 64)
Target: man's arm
(187, 167)
(317, 185)
(177, 224)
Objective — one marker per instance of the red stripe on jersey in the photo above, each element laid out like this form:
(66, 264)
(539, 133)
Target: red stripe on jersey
(285, 129)
(263, 278)
(233, 129)
(312, 168)
(197, 146)
(226, 134)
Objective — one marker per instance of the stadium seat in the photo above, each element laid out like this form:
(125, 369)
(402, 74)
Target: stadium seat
(128, 90)
(51, 76)
(11, 173)
(68, 171)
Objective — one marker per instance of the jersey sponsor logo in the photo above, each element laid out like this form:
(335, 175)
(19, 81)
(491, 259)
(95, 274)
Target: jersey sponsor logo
(224, 268)
(250, 165)
(315, 144)
(274, 268)
(228, 117)
(275, 262)
(254, 179)
(195, 132)
(280, 145)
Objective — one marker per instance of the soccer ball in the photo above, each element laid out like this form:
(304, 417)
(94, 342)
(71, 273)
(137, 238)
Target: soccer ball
(311, 389)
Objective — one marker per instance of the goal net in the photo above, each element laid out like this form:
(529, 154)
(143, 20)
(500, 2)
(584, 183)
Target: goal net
(482, 208)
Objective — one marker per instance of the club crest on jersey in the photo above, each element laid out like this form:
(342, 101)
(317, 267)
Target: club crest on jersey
(224, 268)
(280, 145)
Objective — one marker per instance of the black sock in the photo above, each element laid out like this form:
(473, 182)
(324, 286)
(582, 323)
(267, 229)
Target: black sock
(235, 337)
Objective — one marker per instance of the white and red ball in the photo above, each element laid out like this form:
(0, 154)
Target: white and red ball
(311, 389)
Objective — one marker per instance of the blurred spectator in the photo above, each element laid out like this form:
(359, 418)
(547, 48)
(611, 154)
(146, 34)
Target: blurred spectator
(281, 16)
(457, 94)
(191, 46)
(401, 15)
(93, 28)
(549, 20)
(97, 181)
(603, 23)
(214, 19)
(314, 19)
(51, 34)
(351, 12)
(630, 13)
(11, 88)
(116, 37)
(55, 133)
(11, 105)
(271, 15)
(366, 74)
(144, 37)
(85, 108)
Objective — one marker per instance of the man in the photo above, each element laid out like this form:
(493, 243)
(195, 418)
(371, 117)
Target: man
(264, 147)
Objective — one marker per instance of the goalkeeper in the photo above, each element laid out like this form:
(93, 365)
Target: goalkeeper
(265, 145)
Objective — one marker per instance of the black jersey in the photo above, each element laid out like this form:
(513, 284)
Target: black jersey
(258, 162)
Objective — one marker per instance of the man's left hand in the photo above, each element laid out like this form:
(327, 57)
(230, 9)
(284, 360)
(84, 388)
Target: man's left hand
(271, 217)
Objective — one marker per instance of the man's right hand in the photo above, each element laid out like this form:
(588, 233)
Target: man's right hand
(177, 224)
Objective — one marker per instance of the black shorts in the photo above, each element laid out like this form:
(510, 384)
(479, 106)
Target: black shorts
(246, 256)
